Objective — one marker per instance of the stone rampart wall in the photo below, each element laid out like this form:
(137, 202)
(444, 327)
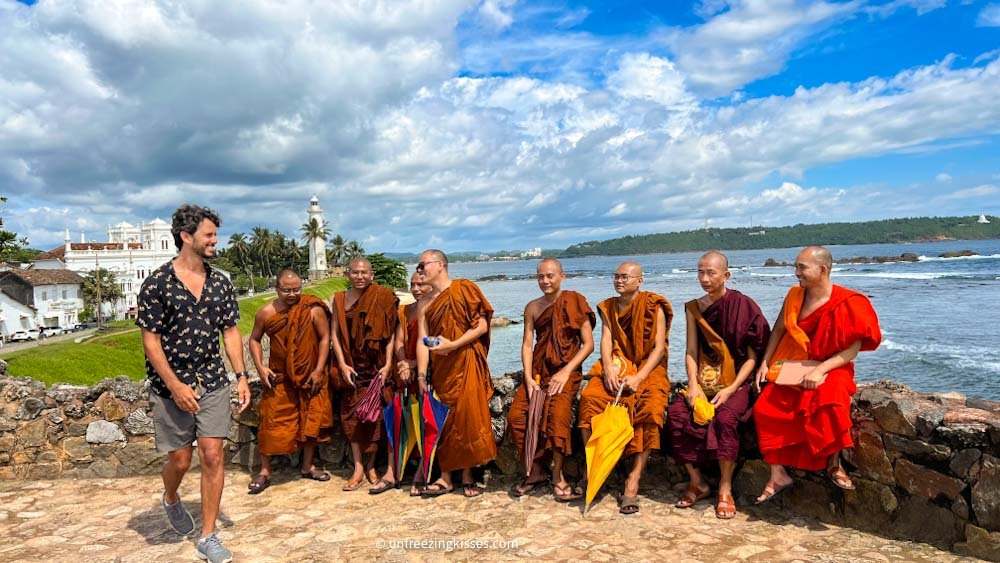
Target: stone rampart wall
(926, 467)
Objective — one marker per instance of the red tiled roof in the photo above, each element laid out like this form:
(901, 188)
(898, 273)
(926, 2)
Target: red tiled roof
(45, 277)
(59, 252)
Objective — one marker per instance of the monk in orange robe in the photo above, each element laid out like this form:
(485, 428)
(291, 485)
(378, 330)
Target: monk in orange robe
(454, 318)
(364, 328)
(634, 331)
(295, 409)
(807, 425)
(562, 323)
(406, 365)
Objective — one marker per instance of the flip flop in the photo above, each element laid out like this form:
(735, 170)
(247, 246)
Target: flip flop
(570, 495)
(524, 488)
(417, 488)
(316, 475)
(435, 490)
(630, 505)
(775, 490)
(468, 488)
(691, 497)
(352, 486)
(840, 477)
(382, 486)
(726, 507)
(258, 484)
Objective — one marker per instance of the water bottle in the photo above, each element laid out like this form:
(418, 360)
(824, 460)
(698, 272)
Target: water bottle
(432, 341)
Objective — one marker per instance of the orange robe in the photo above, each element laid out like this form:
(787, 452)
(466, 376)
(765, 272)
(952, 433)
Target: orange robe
(410, 337)
(461, 379)
(557, 340)
(633, 332)
(364, 332)
(802, 427)
(289, 414)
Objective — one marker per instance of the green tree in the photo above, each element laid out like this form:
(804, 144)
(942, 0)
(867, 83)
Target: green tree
(240, 250)
(314, 229)
(264, 247)
(338, 251)
(353, 250)
(12, 247)
(388, 272)
(101, 282)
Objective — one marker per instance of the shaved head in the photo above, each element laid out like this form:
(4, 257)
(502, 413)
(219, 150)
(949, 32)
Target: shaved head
(360, 261)
(820, 255)
(286, 274)
(435, 254)
(552, 262)
(630, 267)
(716, 258)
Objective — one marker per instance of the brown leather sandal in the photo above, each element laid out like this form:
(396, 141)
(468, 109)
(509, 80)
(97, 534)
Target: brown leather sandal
(840, 477)
(691, 496)
(726, 507)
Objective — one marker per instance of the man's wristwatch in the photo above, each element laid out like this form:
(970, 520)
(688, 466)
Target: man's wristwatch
(243, 373)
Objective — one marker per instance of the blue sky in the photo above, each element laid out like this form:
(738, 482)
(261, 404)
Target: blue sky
(492, 124)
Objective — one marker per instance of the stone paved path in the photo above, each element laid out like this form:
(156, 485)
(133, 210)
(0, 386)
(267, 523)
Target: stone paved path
(120, 520)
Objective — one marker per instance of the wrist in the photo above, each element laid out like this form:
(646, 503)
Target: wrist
(242, 375)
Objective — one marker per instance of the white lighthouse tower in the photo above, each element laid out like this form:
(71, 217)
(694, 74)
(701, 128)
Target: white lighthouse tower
(317, 246)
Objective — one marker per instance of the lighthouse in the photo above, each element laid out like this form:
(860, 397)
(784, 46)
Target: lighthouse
(317, 245)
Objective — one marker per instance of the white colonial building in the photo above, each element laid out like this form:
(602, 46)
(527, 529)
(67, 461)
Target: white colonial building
(131, 253)
(36, 298)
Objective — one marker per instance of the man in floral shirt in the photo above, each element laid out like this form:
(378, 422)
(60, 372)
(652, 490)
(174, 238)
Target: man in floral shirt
(183, 306)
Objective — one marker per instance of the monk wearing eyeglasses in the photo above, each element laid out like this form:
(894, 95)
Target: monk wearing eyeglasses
(634, 330)
(454, 318)
(364, 328)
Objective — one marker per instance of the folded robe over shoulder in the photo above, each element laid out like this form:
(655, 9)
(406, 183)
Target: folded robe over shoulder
(557, 340)
(461, 379)
(726, 329)
(364, 332)
(802, 427)
(289, 413)
(633, 332)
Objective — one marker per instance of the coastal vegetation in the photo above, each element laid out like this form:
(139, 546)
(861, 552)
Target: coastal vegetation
(918, 229)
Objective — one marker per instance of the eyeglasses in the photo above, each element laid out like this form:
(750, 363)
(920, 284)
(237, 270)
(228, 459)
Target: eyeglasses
(289, 290)
(422, 265)
(624, 277)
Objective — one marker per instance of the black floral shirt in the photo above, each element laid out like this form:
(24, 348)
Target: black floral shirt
(189, 329)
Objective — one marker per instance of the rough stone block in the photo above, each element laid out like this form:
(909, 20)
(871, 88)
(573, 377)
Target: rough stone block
(964, 435)
(870, 459)
(750, 481)
(980, 543)
(961, 508)
(334, 452)
(963, 462)
(6, 424)
(921, 520)
(34, 434)
(7, 443)
(77, 449)
(76, 429)
(104, 432)
(986, 495)
(919, 448)
(812, 498)
(929, 420)
(141, 458)
(898, 416)
(44, 471)
(241, 433)
(922, 482)
(139, 423)
(496, 405)
(870, 506)
(29, 409)
(499, 428)
(246, 455)
(47, 456)
(104, 469)
(111, 407)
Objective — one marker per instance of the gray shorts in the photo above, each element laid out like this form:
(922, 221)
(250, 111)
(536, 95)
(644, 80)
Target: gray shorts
(176, 429)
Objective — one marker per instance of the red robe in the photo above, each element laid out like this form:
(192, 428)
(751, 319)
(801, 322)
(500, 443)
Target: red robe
(800, 427)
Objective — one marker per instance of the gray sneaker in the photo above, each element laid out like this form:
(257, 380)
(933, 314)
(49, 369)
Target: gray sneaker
(210, 549)
(178, 516)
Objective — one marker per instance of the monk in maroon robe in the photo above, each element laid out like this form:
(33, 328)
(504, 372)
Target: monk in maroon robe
(807, 425)
(726, 333)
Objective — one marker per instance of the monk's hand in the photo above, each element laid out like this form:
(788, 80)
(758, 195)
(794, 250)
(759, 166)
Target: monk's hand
(761, 375)
(722, 396)
(813, 379)
(266, 377)
(611, 382)
(422, 383)
(693, 392)
(557, 382)
(631, 384)
(403, 371)
(315, 381)
(384, 372)
(243, 392)
(185, 397)
(444, 347)
(349, 375)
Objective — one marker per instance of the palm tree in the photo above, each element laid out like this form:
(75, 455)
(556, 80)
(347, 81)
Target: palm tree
(354, 250)
(338, 250)
(241, 250)
(313, 229)
(264, 244)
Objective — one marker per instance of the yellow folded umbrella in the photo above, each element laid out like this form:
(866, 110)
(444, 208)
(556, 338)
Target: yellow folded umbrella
(704, 411)
(611, 431)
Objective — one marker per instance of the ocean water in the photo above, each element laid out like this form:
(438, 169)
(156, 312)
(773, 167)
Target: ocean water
(939, 317)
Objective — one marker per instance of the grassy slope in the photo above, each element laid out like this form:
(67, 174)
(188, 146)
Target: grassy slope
(119, 353)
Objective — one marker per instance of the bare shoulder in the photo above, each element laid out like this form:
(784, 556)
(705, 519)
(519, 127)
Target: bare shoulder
(534, 307)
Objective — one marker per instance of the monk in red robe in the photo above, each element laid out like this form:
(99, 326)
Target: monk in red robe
(295, 408)
(807, 425)
(406, 364)
(364, 327)
(726, 333)
(634, 331)
(561, 324)
(454, 318)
